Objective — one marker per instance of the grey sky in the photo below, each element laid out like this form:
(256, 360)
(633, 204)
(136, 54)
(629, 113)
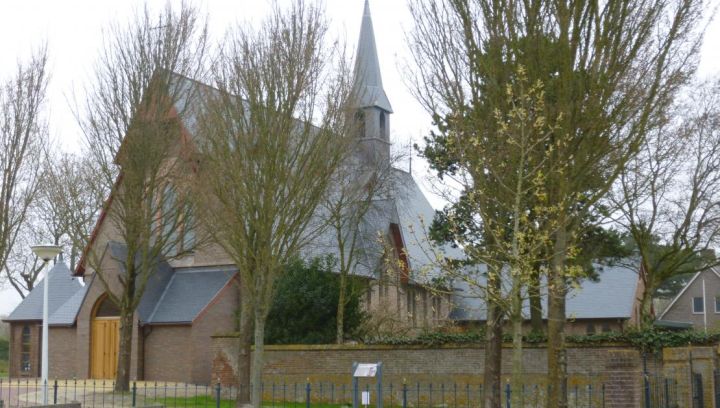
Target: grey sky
(73, 29)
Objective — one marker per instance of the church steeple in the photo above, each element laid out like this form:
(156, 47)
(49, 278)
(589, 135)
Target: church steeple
(373, 105)
(368, 80)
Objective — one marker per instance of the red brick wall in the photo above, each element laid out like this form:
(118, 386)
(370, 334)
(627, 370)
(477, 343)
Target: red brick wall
(182, 352)
(62, 353)
(16, 347)
(168, 354)
(618, 367)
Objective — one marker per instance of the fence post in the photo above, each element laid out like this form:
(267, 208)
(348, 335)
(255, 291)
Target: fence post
(217, 395)
(646, 381)
(134, 393)
(404, 394)
(55, 390)
(307, 394)
(507, 395)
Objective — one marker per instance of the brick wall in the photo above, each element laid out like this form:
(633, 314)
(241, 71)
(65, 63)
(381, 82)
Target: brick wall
(677, 366)
(618, 367)
(15, 354)
(62, 353)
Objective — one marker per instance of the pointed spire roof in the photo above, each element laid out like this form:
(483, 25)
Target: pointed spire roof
(368, 81)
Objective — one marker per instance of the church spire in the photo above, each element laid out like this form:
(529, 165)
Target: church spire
(368, 82)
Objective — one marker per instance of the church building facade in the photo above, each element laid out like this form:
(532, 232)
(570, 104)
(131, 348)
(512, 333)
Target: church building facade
(189, 300)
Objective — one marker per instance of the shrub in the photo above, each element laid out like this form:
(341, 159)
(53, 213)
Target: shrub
(4, 345)
(305, 305)
(649, 339)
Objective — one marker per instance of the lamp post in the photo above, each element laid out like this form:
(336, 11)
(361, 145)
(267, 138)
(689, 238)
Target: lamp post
(46, 253)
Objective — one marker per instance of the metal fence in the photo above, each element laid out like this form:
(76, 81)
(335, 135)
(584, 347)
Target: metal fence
(89, 393)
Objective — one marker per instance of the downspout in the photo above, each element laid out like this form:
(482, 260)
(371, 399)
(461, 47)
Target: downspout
(704, 306)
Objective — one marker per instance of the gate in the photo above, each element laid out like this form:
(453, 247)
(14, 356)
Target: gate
(697, 391)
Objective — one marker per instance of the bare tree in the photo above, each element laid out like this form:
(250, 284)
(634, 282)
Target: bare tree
(71, 201)
(23, 138)
(357, 187)
(63, 213)
(274, 135)
(611, 70)
(668, 196)
(131, 119)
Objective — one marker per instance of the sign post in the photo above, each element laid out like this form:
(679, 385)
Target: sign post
(367, 370)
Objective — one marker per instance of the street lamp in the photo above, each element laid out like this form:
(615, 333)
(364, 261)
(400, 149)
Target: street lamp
(46, 253)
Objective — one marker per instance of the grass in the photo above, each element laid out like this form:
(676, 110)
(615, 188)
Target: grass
(208, 401)
(3, 368)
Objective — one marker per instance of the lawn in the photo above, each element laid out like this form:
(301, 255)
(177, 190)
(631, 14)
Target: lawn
(3, 357)
(207, 401)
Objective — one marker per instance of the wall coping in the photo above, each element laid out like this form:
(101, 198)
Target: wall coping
(349, 346)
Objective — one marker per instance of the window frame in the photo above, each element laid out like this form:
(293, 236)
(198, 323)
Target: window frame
(717, 299)
(694, 304)
(26, 349)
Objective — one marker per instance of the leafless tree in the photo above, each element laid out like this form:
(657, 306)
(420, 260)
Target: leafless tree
(132, 121)
(23, 139)
(668, 196)
(63, 213)
(356, 188)
(274, 135)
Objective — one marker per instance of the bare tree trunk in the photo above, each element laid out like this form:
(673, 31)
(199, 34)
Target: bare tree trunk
(245, 328)
(122, 378)
(493, 347)
(557, 364)
(258, 360)
(340, 332)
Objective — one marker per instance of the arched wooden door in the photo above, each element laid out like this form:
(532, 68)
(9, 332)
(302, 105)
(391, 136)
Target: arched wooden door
(104, 339)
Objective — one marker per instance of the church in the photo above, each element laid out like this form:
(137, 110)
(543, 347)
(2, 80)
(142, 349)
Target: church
(188, 300)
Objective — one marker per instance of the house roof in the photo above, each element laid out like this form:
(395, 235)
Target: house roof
(65, 295)
(611, 296)
(685, 288)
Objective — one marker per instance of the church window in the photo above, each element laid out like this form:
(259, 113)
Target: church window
(436, 308)
(383, 125)
(25, 345)
(107, 308)
(425, 307)
(177, 222)
(411, 307)
(360, 123)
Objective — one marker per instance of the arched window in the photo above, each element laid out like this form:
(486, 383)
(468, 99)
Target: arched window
(25, 347)
(360, 123)
(382, 125)
(107, 308)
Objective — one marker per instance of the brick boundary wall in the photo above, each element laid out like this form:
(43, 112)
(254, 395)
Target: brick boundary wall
(618, 367)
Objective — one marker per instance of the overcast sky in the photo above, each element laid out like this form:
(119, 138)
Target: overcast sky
(73, 28)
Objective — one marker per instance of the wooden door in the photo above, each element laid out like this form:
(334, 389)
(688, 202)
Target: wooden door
(104, 347)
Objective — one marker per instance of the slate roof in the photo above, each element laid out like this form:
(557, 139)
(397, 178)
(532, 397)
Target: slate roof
(65, 296)
(612, 296)
(187, 293)
(368, 81)
(176, 296)
(407, 207)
